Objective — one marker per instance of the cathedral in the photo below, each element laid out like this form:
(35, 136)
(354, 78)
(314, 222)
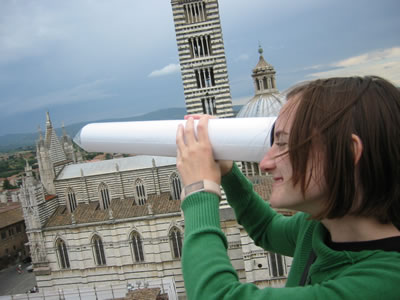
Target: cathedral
(118, 221)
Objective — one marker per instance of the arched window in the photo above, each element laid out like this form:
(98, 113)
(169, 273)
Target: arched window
(265, 84)
(62, 253)
(176, 186)
(71, 200)
(276, 265)
(98, 251)
(140, 192)
(137, 247)
(258, 84)
(175, 238)
(195, 12)
(104, 196)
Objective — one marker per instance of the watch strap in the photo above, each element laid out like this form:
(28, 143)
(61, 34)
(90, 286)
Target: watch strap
(201, 186)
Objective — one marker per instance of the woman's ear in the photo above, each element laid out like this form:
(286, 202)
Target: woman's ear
(357, 148)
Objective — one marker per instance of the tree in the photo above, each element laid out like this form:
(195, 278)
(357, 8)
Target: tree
(8, 186)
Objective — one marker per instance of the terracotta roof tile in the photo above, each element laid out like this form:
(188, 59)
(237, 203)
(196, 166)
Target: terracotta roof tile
(49, 197)
(10, 214)
(120, 209)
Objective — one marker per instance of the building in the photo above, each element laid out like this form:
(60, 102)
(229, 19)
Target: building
(267, 100)
(202, 57)
(119, 221)
(12, 234)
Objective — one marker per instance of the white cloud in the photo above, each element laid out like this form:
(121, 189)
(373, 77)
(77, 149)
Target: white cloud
(242, 57)
(170, 69)
(90, 91)
(384, 63)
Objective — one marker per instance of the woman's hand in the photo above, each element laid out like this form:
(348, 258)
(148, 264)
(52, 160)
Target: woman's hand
(195, 160)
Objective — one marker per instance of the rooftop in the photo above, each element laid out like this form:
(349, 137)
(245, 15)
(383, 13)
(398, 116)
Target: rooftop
(120, 208)
(10, 213)
(114, 165)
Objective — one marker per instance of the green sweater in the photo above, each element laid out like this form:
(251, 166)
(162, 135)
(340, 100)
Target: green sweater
(208, 273)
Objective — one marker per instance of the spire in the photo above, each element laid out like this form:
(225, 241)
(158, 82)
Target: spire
(48, 121)
(262, 64)
(266, 101)
(260, 49)
(63, 129)
(28, 168)
(40, 133)
(264, 75)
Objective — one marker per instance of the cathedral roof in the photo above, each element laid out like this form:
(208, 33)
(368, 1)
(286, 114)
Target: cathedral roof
(114, 165)
(121, 209)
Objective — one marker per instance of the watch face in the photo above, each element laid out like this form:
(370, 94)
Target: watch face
(199, 185)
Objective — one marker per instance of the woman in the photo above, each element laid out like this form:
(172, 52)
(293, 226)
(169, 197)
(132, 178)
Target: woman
(334, 159)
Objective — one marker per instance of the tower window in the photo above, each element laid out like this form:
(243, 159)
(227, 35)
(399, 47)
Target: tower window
(176, 186)
(176, 242)
(104, 196)
(265, 84)
(205, 77)
(209, 107)
(200, 46)
(276, 265)
(98, 250)
(137, 247)
(194, 12)
(140, 192)
(62, 254)
(258, 84)
(71, 200)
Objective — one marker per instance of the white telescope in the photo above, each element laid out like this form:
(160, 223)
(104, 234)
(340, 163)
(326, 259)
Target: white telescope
(238, 139)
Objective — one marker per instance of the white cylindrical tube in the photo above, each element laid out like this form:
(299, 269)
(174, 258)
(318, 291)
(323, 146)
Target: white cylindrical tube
(238, 139)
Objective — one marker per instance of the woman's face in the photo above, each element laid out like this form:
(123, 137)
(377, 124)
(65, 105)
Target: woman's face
(284, 194)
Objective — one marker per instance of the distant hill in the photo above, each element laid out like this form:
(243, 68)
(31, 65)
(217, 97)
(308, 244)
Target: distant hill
(21, 141)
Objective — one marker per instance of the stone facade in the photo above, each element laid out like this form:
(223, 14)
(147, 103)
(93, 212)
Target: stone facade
(12, 234)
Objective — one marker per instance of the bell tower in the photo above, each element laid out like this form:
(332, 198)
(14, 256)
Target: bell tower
(202, 57)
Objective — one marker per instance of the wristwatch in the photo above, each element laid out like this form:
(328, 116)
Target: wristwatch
(200, 186)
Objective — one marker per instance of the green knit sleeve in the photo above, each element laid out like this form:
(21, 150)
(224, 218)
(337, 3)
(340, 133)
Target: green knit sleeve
(268, 229)
(208, 273)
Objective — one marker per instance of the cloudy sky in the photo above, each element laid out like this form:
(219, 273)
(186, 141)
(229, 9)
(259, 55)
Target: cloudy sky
(85, 60)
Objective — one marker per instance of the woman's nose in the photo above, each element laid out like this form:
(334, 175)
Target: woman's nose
(268, 161)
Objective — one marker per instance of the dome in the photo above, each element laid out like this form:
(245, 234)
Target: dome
(265, 105)
(267, 100)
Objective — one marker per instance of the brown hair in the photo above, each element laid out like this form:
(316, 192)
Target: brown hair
(328, 112)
